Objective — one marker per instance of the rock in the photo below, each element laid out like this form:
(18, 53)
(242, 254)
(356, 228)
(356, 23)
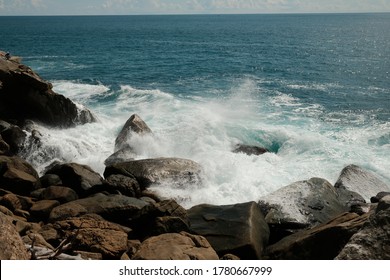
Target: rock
(175, 246)
(40, 211)
(384, 203)
(94, 234)
(15, 137)
(161, 217)
(36, 239)
(50, 180)
(11, 244)
(17, 175)
(115, 184)
(323, 242)
(24, 95)
(61, 194)
(249, 150)
(375, 199)
(371, 242)
(124, 154)
(5, 149)
(238, 229)
(157, 171)
(50, 234)
(230, 257)
(133, 125)
(301, 205)
(5, 211)
(11, 201)
(356, 179)
(77, 176)
(116, 208)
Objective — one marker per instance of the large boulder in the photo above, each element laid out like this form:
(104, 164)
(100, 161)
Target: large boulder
(117, 208)
(11, 244)
(175, 246)
(79, 177)
(238, 229)
(322, 242)
(17, 175)
(372, 241)
(15, 137)
(59, 193)
(355, 178)
(133, 125)
(115, 184)
(91, 233)
(176, 171)
(301, 205)
(25, 95)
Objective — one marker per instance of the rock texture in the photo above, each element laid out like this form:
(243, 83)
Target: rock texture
(175, 246)
(157, 171)
(322, 242)
(238, 229)
(11, 244)
(25, 95)
(133, 125)
(357, 179)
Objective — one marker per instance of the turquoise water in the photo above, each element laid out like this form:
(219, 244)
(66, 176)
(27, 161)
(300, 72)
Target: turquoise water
(314, 89)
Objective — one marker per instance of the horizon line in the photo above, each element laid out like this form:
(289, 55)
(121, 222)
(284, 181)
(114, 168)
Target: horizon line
(199, 14)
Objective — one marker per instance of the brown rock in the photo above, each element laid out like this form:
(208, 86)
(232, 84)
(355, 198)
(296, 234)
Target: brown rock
(175, 246)
(11, 244)
(40, 211)
(61, 194)
(323, 242)
(96, 235)
(15, 137)
(11, 201)
(115, 184)
(17, 176)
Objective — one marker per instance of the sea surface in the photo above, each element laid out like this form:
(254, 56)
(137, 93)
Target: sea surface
(314, 89)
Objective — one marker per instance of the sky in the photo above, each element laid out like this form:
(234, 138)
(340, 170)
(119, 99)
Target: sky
(135, 7)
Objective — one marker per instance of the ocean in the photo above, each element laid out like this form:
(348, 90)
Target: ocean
(314, 89)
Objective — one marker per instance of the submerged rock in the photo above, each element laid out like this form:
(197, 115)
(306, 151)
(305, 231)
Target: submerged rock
(249, 150)
(176, 171)
(25, 95)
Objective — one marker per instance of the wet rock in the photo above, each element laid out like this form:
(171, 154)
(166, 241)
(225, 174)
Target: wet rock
(50, 180)
(121, 184)
(301, 205)
(25, 95)
(238, 229)
(122, 155)
(355, 178)
(159, 170)
(375, 199)
(15, 137)
(133, 125)
(250, 150)
(40, 211)
(175, 246)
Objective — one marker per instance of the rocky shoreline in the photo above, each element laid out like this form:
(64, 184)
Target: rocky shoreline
(73, 212)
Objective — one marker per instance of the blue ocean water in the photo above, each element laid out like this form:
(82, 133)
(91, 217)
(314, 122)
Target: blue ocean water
(312, 88)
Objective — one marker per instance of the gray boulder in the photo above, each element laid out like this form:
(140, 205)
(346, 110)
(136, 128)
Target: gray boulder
(355, 178)
(176, 171)
(238, 229)
(133, 125)
(301, 205)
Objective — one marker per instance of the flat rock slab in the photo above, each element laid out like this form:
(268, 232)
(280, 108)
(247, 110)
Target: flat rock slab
(238, 229)
(176, 171)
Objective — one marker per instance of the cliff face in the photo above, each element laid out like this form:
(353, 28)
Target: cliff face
(25, 95)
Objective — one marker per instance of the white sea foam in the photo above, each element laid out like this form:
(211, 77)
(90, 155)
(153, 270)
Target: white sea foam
(205, 129)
